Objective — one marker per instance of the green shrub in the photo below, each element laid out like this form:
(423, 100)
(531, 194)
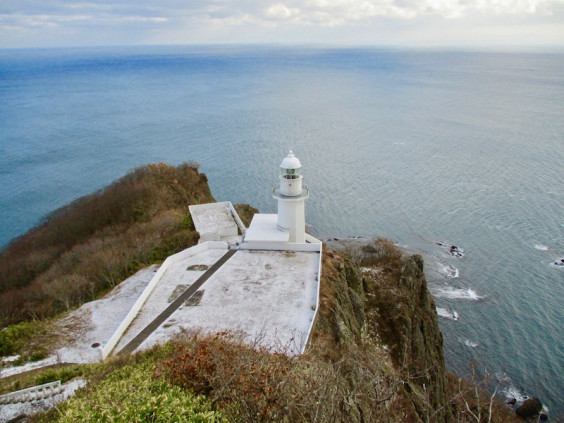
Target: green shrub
(14, 338)
(64, 374)
(133, 394)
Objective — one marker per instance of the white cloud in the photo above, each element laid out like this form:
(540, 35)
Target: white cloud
(281, 11)
(265, 20)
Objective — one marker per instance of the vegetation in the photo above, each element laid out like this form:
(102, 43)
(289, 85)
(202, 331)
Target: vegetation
(82, 249)
(245, 212)
(17, 338)
(354, 369)
(126, 390)
(376, 352)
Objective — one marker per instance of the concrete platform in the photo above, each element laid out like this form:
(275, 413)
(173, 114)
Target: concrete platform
(216, 221)
(269, 296)
(176, 277)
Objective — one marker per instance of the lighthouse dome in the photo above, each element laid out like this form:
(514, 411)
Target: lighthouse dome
(290, 161)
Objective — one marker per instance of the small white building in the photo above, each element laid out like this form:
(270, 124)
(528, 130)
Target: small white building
(287, 228)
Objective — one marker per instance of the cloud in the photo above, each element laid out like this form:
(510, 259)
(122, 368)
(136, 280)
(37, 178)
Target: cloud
(222, 20)
(280, 11)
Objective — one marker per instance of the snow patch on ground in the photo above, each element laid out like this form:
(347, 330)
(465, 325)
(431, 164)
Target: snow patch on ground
(10, 359)
(96, 321)
(11, 371)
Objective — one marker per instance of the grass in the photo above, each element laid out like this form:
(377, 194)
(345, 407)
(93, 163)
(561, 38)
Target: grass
(85, 248)
(127, 389)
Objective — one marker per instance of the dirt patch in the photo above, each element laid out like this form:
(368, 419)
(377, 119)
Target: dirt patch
(177, 292)
(195, 299)
(198, 267)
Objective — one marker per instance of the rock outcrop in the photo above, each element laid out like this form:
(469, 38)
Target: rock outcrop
(530, 407)
(379, 301)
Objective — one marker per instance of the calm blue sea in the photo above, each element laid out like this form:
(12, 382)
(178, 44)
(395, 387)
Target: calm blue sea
(421, 147)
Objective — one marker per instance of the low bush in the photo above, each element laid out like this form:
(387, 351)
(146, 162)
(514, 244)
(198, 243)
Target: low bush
(257, 385)
(15, 339)
(132, 394)
(92, 244)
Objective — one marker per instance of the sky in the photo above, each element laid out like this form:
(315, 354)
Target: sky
(407, 23)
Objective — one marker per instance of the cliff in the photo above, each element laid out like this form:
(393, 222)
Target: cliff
(379, 303)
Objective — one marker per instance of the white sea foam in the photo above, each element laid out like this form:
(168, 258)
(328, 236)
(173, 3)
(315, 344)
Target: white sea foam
(541, 247)
(447, 270)
(470, 344)
(510, 391)
(447, 314)
(457, 293)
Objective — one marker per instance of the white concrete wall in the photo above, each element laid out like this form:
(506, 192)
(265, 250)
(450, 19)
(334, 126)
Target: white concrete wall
(314, 319)
(235, 215)
(291, 216)
(291, 187)
(108, 348)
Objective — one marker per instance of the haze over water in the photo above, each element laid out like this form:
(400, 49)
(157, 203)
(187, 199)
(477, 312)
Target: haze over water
(464, 148)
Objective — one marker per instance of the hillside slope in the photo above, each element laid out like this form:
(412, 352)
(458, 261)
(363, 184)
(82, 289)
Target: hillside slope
(98, 240)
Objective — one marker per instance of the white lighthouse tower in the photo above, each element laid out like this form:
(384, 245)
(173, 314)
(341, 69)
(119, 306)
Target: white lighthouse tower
(291, 197)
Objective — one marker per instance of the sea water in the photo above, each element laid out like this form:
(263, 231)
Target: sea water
(422, 147)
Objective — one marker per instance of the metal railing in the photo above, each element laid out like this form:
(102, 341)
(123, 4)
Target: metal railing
(305, 193)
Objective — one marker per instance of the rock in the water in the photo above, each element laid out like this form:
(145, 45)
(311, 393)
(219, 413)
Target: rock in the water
(529, 408)
(512, 401)
(543, 417)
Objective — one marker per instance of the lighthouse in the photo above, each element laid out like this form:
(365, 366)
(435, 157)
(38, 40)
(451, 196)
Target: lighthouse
(291, 196)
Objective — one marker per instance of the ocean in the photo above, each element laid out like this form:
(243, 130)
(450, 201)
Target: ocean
(424, 147)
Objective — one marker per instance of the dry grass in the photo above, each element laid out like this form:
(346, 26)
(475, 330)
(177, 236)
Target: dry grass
(89, 246)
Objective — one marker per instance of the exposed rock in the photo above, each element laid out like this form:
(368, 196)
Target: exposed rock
(512, 401)
(395, 307)
(529, 408)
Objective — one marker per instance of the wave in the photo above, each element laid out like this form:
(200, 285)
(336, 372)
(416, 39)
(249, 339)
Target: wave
(470, 344)
(541, 247)
(511, 391)
(457, 293)
(448, 314)
(448, 271)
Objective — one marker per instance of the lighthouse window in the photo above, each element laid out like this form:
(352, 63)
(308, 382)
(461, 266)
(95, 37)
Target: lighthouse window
(290, 173)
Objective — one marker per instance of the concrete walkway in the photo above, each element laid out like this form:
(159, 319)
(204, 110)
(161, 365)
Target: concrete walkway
(175, 305)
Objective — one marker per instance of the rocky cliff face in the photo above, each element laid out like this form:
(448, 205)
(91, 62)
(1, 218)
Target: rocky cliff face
(375, 298)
